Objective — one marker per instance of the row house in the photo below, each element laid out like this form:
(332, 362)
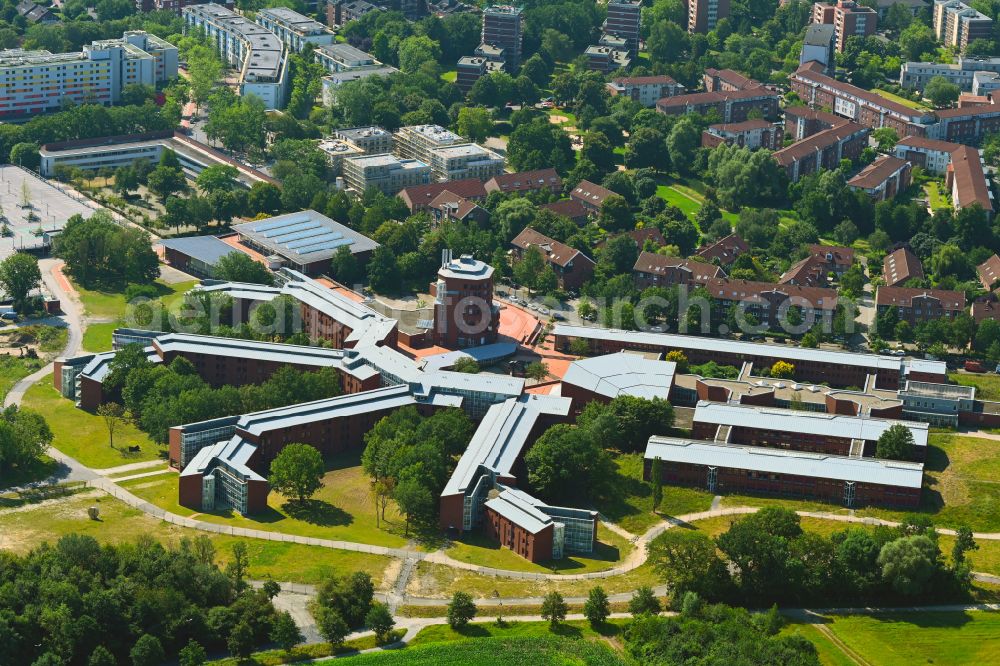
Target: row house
(916, 306)
(731, 106)
(767, 302)
(657, 270)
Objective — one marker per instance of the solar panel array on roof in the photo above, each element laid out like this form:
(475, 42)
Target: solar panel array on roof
(306, 236)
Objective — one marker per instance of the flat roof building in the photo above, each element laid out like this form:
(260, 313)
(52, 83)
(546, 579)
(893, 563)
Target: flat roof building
(847, 481)
(503, 28)
(197, 255)
(417, 142)
(371, 140)
(646, 90)
(956, 24)
(255, 51)
(465, 160)
(848, 18)
(33, 82)
(386, 173)
(704, 15)
(294, 29)
(623, 22)
(305, 241)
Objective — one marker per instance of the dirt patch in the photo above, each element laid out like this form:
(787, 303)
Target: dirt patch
(556, 119)
(391, 573)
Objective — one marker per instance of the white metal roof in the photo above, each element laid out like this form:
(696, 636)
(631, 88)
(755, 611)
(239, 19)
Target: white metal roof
(781, 461)
(501, 436)
(803, 422)
(721, 345)
(623, 374)
(391, 397)
(522, 513)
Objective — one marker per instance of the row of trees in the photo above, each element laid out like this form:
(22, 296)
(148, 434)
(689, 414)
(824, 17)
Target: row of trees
(159, 396)
(768, 557)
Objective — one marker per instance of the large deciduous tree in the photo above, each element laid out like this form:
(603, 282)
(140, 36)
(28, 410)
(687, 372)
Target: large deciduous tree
(297, 471)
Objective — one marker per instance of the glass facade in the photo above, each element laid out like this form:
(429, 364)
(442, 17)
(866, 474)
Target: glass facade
(577, 526)
(193, 442)
(230, 489)
(558, 540)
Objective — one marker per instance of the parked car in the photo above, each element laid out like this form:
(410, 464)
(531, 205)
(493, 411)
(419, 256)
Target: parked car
(974, 366)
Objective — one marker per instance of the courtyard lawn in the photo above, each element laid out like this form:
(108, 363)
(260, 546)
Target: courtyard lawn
(111, 305)
(97, 337)
(987, 385)
(903, 639)
(343, 509)
(21, 531)
(630, 502)
(960, 487)
(82, 435)
(476, 548)
(936, 199)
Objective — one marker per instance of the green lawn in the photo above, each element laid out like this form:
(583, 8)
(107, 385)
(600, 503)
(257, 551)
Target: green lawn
(449, 76)
(830, 654)
(478, 549)
(904, 639)
(987, 385)
(13, 369)
(901, 100)
(84, 436)
(960, 487)
(935, 197)
(442, 633)
(22, 531)
(342, 509)
(440, 581)
(675, 197)
(111, 305)
(566, 647)
(298, 653)
(97, 337)
(630, 503)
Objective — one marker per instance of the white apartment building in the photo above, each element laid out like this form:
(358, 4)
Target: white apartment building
(417, 141)
(386, 172)
(33, 82)
(371, 140)
(294, 29)
(255, 51)
(465, 160)
(337, 150)
(346, 63)
(916, 75)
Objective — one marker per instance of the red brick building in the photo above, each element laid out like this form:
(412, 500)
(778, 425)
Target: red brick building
(726, 80)
(540, 180)
(916, 305)
(724, 251)
(901, 265)
(572, 267)
(751, 134)
(464, 313)
(883, 179)
(823, 150)
(657, 270)
(730, 106)
(848, 18)
(590, 195)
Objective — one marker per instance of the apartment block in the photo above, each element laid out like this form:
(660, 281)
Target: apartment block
(966, 177)
(606, 59)
(465, 160)
(646, 90)
(418, 141)
(255, 51)
(820, 91)
(336, 151)
(883, 179)
(371, 140)
(917, 306)
(751, 134)
(658, 270)
(294, 29)
(726, 80)
(820, 44)
(387, 173)
(33, 82)
(704, 15)
(823, 150)
(767, 301)
(572, 267)
(929, 154)
(623, 22)
(732, 106)
(848, 18)
(503, 28)
(724, 251)
(916, 75)
(472, 68)
(339, 12)
(346, 63)
(956, 24)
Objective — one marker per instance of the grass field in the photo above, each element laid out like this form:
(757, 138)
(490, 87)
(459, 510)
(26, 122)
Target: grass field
(442, 633)
(97, 337)
(22, 531)
(565, 648)
(13, 369)
(440, 581)
(478, 549)
(111, 305)
(631, 502)
(342, 509)
(960, 487)
(675, 197)
(82, 435)
(297, 654)
(903, 639)
(449, 76)
(987, 385)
